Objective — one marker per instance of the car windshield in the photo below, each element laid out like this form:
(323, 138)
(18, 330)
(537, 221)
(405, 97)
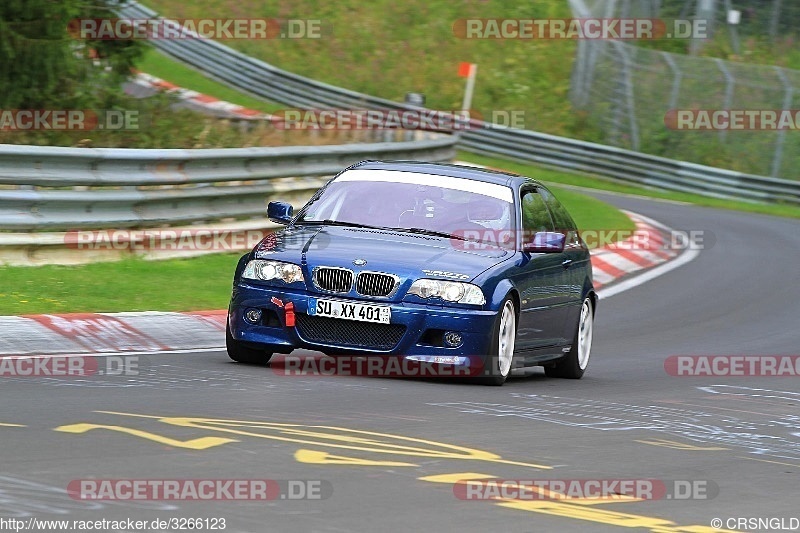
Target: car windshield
(413, 201)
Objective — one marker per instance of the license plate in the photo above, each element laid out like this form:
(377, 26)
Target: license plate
(350, 311)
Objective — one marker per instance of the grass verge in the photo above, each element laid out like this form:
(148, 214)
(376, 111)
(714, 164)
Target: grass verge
(161, 66)
(128, 285)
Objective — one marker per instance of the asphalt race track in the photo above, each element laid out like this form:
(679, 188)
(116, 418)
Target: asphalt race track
(387, 451)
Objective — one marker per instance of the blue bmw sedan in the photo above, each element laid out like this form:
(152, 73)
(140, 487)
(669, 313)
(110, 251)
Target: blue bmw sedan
(437, 263)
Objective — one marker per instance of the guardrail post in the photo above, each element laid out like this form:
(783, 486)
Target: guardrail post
(677, 77)
(729, 83)
(780, 137)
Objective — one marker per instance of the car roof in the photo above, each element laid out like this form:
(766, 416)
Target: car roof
(445, 169)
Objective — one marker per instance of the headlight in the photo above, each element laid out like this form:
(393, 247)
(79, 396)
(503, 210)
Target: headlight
(267, 270)
(451, 291)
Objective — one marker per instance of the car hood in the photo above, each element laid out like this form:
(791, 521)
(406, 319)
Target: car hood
(403, 254)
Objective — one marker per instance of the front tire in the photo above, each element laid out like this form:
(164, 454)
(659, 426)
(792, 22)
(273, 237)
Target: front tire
(244, 354)
(500, 359)
(573, 365)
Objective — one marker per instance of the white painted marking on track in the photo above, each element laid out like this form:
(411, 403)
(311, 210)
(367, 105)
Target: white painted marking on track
(652, 273)
(601, 276)
(649, 256)
(619, 262)
(649, 275)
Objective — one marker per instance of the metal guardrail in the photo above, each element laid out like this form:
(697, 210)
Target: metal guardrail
(44, 188)
(633, 167)
(264, 80)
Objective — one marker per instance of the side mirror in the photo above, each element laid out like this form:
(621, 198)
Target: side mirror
(546, 242)
(279, 212)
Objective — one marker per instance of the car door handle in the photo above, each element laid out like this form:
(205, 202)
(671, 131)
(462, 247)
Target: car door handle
(566, 263)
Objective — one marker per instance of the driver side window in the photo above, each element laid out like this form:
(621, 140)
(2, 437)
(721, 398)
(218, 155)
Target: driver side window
(535, 216)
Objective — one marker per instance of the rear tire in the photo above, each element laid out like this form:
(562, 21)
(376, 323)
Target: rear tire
(500, 359)
(244, 354)
(573, 365)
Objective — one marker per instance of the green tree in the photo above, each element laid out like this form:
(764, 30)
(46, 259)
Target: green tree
(43, 65)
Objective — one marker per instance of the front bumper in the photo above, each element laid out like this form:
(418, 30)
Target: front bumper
(474, 325)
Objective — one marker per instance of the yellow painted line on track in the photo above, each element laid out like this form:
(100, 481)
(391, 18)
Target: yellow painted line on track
(202, 443)
(463, 478)
(773, 462)
(456, 477)
(681, 445)
(324, 458)
(334, 437)
(587, 509)
(605, 516)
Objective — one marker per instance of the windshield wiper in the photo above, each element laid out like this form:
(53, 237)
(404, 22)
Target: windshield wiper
(434, 233)
(419, 231)
(329, 222)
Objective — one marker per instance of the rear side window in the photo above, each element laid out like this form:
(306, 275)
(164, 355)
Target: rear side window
(561, 218)
(534, 213)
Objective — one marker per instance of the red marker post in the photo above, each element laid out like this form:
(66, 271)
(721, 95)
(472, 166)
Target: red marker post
(469, 71)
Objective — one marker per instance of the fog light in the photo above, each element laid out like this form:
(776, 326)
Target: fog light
(253, 315)
(452, 339)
